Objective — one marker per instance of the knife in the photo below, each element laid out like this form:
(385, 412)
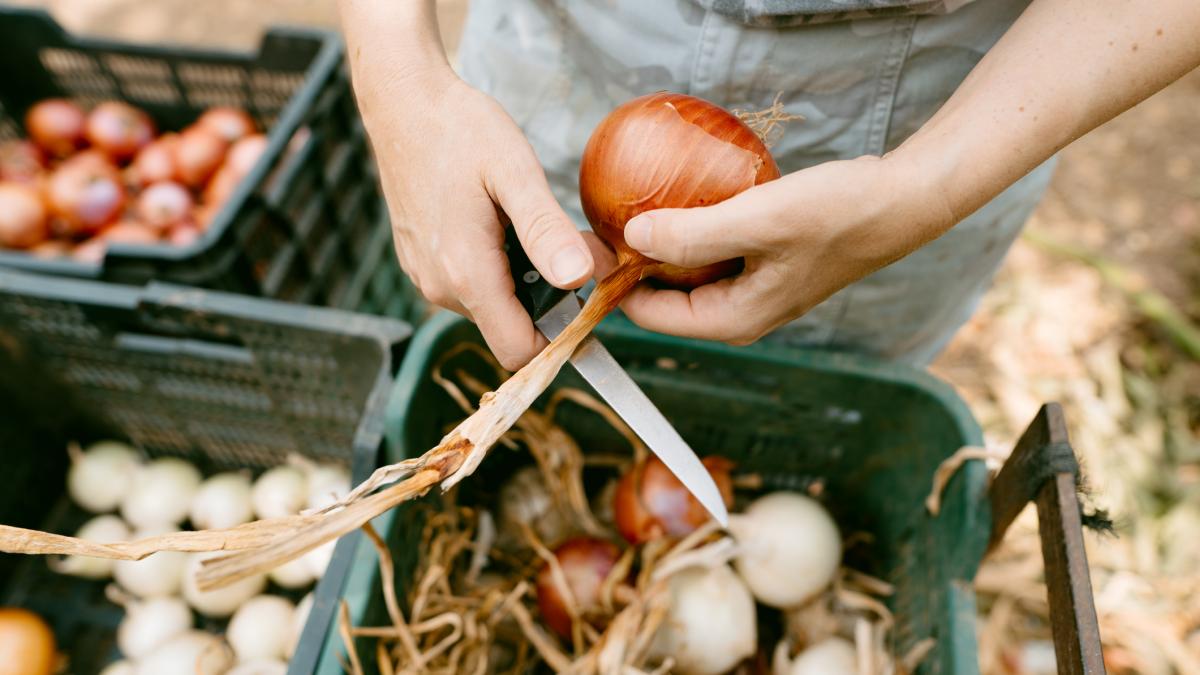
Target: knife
(551, 310)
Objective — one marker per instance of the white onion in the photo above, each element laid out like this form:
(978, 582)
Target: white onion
(223, 501)
(789, 548)
(261, 628)
(193, 652)
(100, 477)
(280, 492)
(149, 624)
(833, 656)
(102, 530)
(317, 560)
(121, 667)
(292, 574)
(221, 602)
(525, 500)
(260, 667)
(299, 619)
(710, 625)
(327, 483)
(161, 493)
(155, 575)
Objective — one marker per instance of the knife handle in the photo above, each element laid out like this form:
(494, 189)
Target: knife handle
(536, 294)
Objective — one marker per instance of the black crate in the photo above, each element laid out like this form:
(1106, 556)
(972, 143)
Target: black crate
(223, 380)
(307, 225)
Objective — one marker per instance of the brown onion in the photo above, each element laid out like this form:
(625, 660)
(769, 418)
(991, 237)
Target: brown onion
(164, 205)
(221, 186)
(198, 153)
(20, 161)
(586, 563)
(227, 122)
(183, 234)
(56, 125)
(26, 643)
(668, 150)
(22, 216)
(650, 502)
(51, 248)
(130, 232)
(85, 193)
(155, 162)
(244, 154)
(119, 129)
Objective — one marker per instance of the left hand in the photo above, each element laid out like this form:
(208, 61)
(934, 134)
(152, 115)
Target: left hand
(803, 237)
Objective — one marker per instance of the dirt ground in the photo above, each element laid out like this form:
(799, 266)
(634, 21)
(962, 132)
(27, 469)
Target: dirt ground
(1096, 307)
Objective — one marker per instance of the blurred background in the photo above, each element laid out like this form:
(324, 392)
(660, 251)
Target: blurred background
(1096, 307)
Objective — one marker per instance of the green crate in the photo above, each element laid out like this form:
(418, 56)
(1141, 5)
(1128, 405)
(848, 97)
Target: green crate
(874, 432)
(226, 381)
(307, 225)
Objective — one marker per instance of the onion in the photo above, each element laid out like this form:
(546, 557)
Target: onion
(833, 656)
(317, 560)
(650, 502)
(220, 602)
(220, 187)
(155, 162)
(327, 483)
(20, 161)
(156, 575)
(90, 252)
(183, 234)
(525, 500)
(223, 501)
(294, 573)
(299, 619)
(193, 652)
(281, 491)
(164, 205)
(129, 232)
(198, 153)
(118, 129)
(668, 150)
(789, 548)
(710, 624)
(99, 477)
(26, 643)
(85, 193)
(227, 122)
(586, 563)
(162, 493)
(56, 125)
(121, 667)
(244, 154)
(102, 530)
(151, 623)
(260, 667)
(22, 216)
(261, 628)
(51, 248)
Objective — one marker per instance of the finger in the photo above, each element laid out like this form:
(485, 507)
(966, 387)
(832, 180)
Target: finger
(717, 311)
(697, 236)
(605, 258)
(548, 236)
(488, 296)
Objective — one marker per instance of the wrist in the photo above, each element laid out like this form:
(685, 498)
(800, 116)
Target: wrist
(919, 192)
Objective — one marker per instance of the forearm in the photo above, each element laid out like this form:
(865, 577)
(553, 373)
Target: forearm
(392, 45)
(1064, 68)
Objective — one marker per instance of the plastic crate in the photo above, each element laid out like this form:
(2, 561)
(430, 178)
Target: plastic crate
(225, 381)
(872, 432)
(307, 224)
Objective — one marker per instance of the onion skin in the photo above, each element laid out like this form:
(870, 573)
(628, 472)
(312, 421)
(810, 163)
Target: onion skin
(56, 125)
(26, 643)
(22, 216)
(118, 129)
(586, 563)
(668, 150)
(650, 502)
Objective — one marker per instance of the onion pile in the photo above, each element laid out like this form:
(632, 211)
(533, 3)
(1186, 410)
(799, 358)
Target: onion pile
(84, 180)
(159, 592)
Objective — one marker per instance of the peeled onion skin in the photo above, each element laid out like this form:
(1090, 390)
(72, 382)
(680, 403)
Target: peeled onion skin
(650, 502)
(668, 150)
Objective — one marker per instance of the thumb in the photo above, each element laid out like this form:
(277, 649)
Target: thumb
(688, 237)
(549, 237)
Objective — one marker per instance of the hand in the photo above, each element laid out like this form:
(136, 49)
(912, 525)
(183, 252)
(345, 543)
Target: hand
(803, 237)
(453, 164)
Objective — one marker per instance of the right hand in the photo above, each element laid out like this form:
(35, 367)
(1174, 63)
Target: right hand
(454, 165)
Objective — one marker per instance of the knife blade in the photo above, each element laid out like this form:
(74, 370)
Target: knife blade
(552, 309)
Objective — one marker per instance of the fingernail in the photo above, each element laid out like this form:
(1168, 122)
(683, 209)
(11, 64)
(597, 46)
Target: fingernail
(637, 232)
(569, 265)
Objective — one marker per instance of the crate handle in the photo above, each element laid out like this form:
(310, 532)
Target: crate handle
(1043, 469)
(173, 346)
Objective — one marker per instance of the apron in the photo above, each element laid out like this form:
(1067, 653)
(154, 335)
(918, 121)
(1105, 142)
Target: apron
(862, 85)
